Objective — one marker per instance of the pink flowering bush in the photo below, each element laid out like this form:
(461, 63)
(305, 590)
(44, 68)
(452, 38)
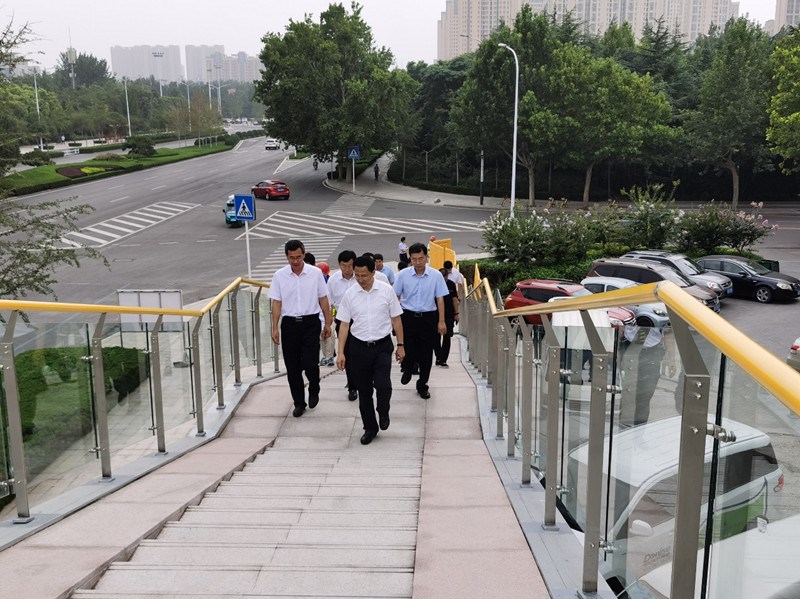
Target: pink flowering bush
(714, 226)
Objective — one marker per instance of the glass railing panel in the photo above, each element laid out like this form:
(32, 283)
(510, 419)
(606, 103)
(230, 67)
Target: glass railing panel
(265, 313)
(5, 454)
(247, 352)
(54, 381)
(128, 388)
(756, 521)
(207, 375)
(177, 389)
(226, 324)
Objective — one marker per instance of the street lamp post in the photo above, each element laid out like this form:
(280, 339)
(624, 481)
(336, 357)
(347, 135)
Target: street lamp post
(38, 113)
(188, 101)
(160, 89)
(127, 106)
(514, 149)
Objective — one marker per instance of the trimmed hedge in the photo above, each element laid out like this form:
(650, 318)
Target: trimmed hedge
(503, 276)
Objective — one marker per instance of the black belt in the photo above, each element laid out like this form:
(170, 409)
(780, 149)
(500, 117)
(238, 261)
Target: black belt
(371, 343)
(302, 318)
(419, 314)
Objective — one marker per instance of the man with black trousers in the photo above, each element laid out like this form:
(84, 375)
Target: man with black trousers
(369, 311)
(298, 293)
(338, 284)
(421, 290)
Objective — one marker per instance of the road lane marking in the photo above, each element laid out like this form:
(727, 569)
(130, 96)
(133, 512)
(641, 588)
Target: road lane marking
(159, 187)
(119, 199)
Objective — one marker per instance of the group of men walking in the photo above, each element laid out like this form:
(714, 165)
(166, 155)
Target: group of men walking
(369, 304)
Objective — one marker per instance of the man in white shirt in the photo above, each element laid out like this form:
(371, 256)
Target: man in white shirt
(338, 284)
(298, 295)
(453, 274)
(380, 267)
(369, 312)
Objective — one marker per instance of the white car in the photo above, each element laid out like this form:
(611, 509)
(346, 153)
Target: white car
(793, 359)
(647, 315)
(272, 144)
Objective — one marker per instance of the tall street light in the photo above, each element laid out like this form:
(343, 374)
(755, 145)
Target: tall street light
(188, 101)
(38, 113)
(514, 149)
(127, 106)
(160, 89)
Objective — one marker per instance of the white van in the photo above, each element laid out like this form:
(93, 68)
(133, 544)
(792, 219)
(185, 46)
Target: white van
(639, 516)
(761, 562)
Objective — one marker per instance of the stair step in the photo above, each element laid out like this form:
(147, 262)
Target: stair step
(258, 580)
(376, 504)
(320, 490)
(266, 533)
(205, 515)
(273, 554)
(368, 478)
(349, 469)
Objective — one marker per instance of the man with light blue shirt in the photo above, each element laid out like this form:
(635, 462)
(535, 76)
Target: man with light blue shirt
(421, 290)
(381, 267)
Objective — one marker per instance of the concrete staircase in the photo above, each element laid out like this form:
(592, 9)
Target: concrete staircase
(313, 516)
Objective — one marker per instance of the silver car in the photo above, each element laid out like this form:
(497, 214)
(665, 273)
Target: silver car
(793, 359)
(647, 315)
(718, 283)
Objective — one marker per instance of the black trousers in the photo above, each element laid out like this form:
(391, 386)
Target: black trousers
(300, 345)
(351, 383)
(442, 349)
(642, 371)
(420, 335)
(371, 366)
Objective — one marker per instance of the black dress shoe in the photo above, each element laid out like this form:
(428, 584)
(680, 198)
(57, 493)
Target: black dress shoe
(313, 400)
(298, 411)
(406, 378)
(368, 436)
(424, 394)
(383, 422)
(352, 394)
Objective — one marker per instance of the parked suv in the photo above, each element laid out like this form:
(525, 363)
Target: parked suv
(538, 291)
(645, 271)
(716, 282)
(754, 280)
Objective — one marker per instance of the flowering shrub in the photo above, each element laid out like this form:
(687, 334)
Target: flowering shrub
(713, 226)
(651, 217)
(514, 239)
(566, 237)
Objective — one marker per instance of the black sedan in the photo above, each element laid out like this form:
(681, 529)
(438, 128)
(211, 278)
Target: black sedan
(753, 280)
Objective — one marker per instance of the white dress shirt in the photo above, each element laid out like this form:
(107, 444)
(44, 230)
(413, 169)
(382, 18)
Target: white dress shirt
(371, 311)
(299, 294)
(379, 276)
(337, 287)
(456, 277)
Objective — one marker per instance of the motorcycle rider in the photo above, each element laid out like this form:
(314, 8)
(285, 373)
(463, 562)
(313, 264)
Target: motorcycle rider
(316, 164)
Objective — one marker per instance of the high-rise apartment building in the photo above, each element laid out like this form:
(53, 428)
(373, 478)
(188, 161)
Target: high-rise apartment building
(787, 13)
(691, 17)
(238, 67)
(197, 59)
(160, 62)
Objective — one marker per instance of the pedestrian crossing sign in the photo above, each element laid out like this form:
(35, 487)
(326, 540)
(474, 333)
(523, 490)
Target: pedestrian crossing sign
(244, 207)
(354, 153)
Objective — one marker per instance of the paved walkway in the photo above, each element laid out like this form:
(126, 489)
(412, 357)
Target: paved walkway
(287, 507)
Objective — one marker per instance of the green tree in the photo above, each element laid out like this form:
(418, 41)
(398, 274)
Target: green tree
(89, 70)
(326, 87)
(728, 129)
(784, 107)
(595, 111)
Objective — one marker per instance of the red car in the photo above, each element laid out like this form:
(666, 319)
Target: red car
(271, 189)
(537, 291)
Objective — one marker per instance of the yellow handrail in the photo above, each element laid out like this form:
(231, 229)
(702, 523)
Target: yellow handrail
(770, 372)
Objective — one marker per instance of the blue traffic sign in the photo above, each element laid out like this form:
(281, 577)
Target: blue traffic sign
(354, 153)
(244, 207)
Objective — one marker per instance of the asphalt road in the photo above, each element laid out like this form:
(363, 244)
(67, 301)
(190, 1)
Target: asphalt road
(189, 247)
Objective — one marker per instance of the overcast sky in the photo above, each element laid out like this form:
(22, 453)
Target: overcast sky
(407, 27)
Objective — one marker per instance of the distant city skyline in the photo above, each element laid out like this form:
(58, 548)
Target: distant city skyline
(408, 27)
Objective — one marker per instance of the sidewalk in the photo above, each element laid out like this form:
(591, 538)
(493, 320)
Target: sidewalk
(304, 515)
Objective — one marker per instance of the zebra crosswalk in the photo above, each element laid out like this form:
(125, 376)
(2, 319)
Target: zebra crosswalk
(114, 229)
(323, 249)
(350, 205)
(288, 225)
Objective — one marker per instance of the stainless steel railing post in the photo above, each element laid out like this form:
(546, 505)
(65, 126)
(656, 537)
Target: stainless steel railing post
(256, 315)
(216, 336)
(155, 378)
(234, 325)
(20, 476)
(526, 399)
(103, 449)
(553, 383)
(198, 381)
(511, 388)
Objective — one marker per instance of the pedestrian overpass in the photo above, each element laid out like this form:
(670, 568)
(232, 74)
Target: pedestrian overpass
(147, 452)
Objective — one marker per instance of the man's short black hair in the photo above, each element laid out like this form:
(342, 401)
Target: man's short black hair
(309, 258)
(370, 254)
(416, 248)
(378, 256)
(346, 256)
(401, 265)
(294, 244)
(365, 260)
(448, 264)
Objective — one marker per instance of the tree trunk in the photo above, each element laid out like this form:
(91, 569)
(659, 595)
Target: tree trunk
(734, 170)
(586, 185)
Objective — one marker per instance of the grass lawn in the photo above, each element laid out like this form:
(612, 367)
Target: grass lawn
(104, 165)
